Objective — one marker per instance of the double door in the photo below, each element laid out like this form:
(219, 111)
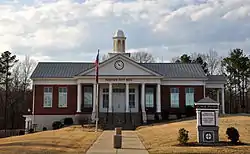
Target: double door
(118, 100)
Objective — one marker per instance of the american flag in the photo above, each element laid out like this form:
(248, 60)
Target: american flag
(97, 67)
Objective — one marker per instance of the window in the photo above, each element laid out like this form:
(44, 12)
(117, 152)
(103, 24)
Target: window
(149, 97)
(62, 100)
(174, 97)
(88, 99)
(131, 98)
(105, 98)
(189, 96)
(47, 102)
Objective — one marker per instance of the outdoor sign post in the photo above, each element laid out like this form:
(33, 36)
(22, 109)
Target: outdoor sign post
(207, 113)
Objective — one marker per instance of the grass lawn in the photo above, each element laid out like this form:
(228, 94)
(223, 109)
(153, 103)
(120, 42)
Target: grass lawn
(162, 138)
(69, 140)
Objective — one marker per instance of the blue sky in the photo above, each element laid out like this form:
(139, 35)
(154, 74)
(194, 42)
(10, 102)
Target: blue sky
(72, 30)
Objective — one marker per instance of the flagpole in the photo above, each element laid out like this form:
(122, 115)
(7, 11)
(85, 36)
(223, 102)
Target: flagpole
(96, 104)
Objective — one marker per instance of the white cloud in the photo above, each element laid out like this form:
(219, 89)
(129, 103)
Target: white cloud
(72, 31)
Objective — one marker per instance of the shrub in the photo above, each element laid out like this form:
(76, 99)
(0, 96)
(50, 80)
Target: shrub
(68, 121)
(190, 111)
(178, 115)
(31, 130)
(21, 132)
(57, 125)
(183, 136)
(165, 115)
(156, 116)
(233, 134)
(45, 128)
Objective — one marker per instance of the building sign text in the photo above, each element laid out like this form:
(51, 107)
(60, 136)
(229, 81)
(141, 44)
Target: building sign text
(208, 118)
(118, 80)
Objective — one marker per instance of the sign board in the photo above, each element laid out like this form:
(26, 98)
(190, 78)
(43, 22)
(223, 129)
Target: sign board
(208, 118)
(118, 80)
(206, 106)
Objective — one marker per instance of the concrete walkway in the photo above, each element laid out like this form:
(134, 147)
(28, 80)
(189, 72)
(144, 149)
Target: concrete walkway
(131, 144)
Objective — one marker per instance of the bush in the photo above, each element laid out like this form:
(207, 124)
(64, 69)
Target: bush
(156, 117)
(21, 132)
(190, 111)
(68, 121)
(178, 115)
(31, 130)
(165, 115)
(183, 136)
(45, 128)
(233, 134)
(57, 125)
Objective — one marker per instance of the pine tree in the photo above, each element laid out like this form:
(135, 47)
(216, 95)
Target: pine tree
(7, 61)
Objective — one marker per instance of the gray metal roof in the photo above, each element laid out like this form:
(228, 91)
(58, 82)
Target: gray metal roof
(70, 69)
(207, 100)
(216, 78)
(176, 70)
(59, 69)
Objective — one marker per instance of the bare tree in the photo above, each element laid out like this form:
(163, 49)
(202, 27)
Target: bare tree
(214, 62)
(104, 57)
(26, 67)
(142, 57)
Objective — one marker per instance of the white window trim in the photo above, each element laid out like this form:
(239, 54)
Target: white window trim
(146, 95)
(105, 93)
(132, 93)
(91, 105)
(187, 103)
(171, 101)
(63, 93)
(49, 94)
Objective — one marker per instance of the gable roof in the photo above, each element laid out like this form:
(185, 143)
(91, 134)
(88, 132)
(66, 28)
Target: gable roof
(121, 56)
(71, 69)
(207, 100)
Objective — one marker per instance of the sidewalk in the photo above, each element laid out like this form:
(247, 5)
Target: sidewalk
(131, 144)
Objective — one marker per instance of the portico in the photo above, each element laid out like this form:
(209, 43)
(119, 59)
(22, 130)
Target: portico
(122, 95)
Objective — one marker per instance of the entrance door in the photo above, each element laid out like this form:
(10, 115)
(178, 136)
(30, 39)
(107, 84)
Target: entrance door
(118, 100)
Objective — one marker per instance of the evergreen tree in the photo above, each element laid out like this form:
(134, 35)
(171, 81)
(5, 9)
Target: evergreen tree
(7, 61)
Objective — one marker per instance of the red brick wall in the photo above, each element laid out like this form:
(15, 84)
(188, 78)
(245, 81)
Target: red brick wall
(165, 96)
(55, 110)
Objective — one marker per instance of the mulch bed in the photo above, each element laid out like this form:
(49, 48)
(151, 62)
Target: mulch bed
(221, 143)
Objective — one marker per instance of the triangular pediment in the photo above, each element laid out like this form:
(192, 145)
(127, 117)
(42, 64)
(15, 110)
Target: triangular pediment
(120, 65)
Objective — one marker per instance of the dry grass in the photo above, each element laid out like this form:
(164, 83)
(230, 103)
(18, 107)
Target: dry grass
(71, 140)
(162, 138)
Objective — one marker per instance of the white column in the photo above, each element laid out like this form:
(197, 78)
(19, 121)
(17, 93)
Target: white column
(217, 119)
(110, 97)
(26, 125)
(127, 97)
(79, 97)
(94, 103)
(144, 116)
(158, 99)
(204, 90)
(218, 96)
(223, 100)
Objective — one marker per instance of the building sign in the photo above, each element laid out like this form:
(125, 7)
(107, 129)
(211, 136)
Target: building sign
(207, 106)
(208, 118)
(119, 80)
